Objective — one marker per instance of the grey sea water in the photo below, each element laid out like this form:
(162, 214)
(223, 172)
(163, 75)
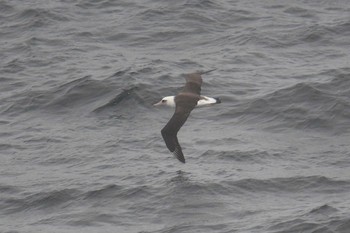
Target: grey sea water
(80, 143)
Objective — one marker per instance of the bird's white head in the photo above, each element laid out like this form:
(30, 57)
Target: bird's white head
(167, 101)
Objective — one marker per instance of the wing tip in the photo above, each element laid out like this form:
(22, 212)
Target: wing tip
(206, 72)
(175, 149)
(181, 159)
(178, 154)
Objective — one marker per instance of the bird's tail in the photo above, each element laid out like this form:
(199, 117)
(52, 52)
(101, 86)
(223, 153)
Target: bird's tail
(218, 100)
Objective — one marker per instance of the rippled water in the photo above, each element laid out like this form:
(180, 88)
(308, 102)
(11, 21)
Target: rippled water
(80, 141)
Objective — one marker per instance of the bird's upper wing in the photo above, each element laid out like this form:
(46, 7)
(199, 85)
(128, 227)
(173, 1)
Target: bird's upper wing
(193, 83)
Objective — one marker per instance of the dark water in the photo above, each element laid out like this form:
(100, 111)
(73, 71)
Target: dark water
(80, 142)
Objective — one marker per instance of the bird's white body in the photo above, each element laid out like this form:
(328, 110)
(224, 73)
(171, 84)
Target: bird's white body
(204, 101)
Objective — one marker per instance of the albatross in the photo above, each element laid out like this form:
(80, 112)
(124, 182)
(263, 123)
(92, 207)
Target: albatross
(184, 102)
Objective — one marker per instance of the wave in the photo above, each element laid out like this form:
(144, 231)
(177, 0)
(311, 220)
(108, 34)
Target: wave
(289, 185)
(253, 156)
(32, 17)
(124, 95)
(117, 191)
(84, 95)
(256, 187)
(314, 106)
(59, 99)
(43, 200)
(324, 218)
(293, 184)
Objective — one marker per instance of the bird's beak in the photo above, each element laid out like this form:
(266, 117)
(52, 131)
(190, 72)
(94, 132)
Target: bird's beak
(157, 104)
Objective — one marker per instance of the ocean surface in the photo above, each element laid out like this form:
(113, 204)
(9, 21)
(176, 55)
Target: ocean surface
(80, 142)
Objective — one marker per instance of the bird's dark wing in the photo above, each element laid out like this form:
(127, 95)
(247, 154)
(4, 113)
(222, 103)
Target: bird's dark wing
(185, 102)
(193, 83)
(184, 106)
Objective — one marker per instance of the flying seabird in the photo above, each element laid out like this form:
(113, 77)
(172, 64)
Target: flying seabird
(184, 103)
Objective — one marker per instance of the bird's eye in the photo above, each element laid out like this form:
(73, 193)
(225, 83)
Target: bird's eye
(163, 101)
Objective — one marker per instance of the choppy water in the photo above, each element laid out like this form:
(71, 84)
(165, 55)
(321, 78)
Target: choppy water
(80, 142)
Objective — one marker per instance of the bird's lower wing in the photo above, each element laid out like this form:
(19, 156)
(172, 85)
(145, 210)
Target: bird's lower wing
(169, 133)
(173, 145)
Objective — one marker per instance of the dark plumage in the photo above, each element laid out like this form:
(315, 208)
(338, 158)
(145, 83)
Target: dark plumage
(185, 102)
